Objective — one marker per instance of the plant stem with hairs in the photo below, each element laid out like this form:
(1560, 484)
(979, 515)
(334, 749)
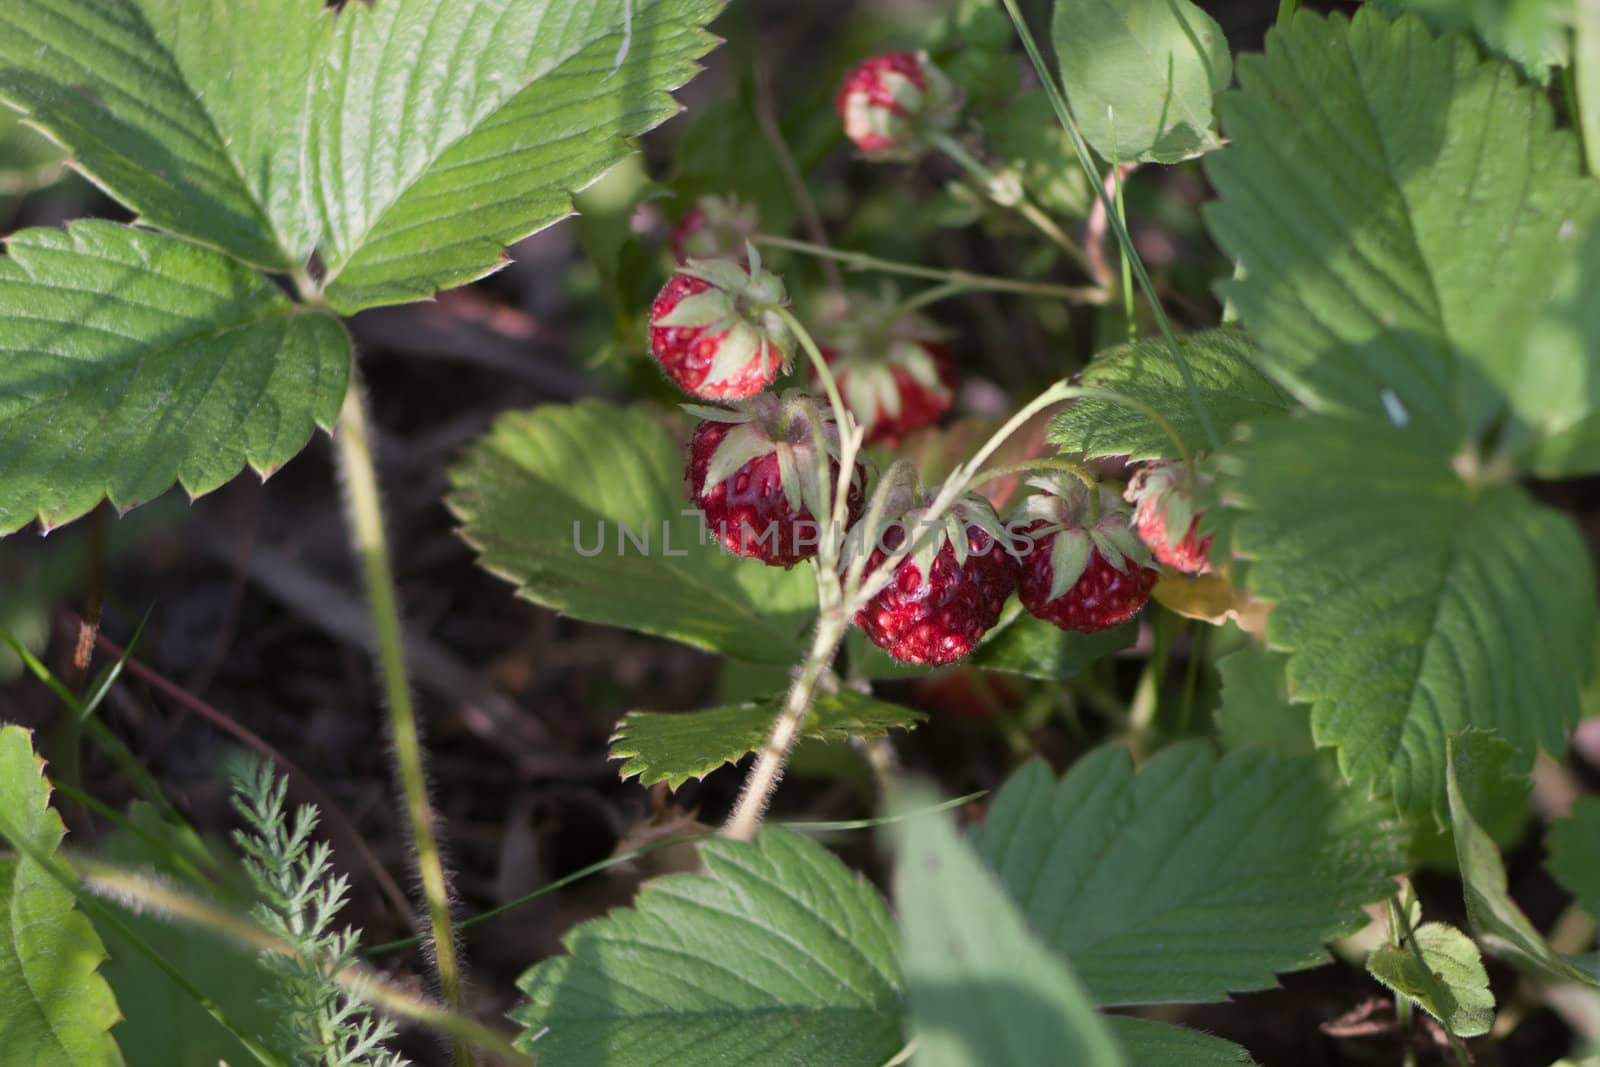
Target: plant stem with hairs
(359, 479)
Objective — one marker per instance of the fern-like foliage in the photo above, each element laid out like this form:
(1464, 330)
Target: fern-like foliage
(320, 1022)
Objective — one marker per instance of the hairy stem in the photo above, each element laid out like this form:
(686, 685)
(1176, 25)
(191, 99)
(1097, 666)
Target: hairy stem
(764, 776)
(969, 282)
(359, 479)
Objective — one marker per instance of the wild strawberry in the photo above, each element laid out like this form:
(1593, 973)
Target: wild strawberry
(755, 475)
(1165, 517)
(891, 102)
(893, 372)
(966, 692)
(715, 328)
(714, 227)
(1082, 573)
(944, 596)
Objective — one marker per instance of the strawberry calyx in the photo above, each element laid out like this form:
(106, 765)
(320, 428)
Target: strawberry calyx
(741, 306)
(905, 515)
(788, 426)
(1077, 524)
(1167, 516)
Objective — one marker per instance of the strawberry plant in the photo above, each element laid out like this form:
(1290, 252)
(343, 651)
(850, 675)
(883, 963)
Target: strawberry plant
(1137, 464)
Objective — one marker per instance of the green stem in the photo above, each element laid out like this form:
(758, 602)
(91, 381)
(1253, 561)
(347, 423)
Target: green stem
(1059, 103)
(768, 768)
(1582, 77)
(1079, 294)
(1398, 914)
(850, 438)
(1051, 463)
(931, 295)
(359, 478)
(994, 188)
(1286, 10)
(1127, 266)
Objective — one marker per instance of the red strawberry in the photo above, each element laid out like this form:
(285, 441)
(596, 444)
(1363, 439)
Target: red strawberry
(965, 691)
(715, 329)
(942, 598)
(892, 370)
(1165, 517)
(1082, 574)
(754, 475)
(715, 227)
(889, 102)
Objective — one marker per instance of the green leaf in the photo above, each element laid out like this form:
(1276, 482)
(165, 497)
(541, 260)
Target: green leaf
(132, 360)
(1229, 384)
(1401, 211)
(1195, 876)
(983, 991)
(58, 1009)
(1530, 33)
(1038, 649)
(452, 130)
(538, 492)
(1413, 602)
(1256, 709)
(1448, 981)
(777, 954)
(196, 115)
(674, 747)
(1574, 848)
(1146, 1043)
(1558, 391)
(1140, 75)
(1491, 913)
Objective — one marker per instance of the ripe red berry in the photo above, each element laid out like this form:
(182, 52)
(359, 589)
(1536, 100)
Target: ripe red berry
(893, 371)
(890, 102)
(754, 475)
(1081, 574)
(942, 599)
(714, 227)
(1164, 514)
(715, 329)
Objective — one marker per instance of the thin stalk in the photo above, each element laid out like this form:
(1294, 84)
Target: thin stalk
(1050, 463)
(1079, 294)
(994, 187)
(857, 595)
(359, 479)
(1127, 267)
(850, 440)
(764, 776)
(931, 295)
(1059, 103)
(799, 192)
(1398, 914)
